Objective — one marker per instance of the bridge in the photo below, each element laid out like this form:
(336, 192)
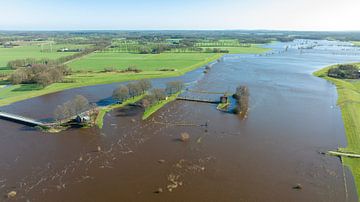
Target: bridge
(207, 92)
(21, 119)
(203, 100)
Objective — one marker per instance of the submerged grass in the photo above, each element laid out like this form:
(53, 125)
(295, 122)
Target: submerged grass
(349, 102)
(99, 121)
(154, 108)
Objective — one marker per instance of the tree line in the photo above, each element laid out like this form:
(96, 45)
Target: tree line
(76, 106)
(40, 74)
(131, 90)
(346, 71)
(153, 96)
(241, 96)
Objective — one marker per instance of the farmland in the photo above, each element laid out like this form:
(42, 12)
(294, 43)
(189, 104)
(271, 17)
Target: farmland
(33, 50)
(147, 62)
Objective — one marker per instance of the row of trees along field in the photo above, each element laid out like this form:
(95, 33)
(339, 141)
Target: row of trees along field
(29, 62)
(182, 45)
(40, 74)
(131, 90)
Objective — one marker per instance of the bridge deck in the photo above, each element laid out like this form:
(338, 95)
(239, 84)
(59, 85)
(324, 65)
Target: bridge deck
(21, 119)
(198, 100)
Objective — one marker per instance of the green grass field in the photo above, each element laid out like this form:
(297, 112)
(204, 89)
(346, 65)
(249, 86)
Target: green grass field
(148, 62)
(32, 51)
(349, 102)
(253, 49)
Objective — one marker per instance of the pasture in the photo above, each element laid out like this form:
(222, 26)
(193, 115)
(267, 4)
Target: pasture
(33, 50)
(99, 61)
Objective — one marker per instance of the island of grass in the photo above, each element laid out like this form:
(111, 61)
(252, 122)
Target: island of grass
(349, 102)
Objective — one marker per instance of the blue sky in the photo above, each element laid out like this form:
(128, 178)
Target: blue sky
(176, 14)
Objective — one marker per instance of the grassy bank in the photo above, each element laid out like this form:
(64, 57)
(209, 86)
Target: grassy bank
(356, 43)
(152, 109)
(26, 91)
(102, 112)
(349, 102)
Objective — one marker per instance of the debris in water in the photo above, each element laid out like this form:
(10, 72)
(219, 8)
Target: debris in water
(11, 194)
(161, 161)
(158, 191)
(298, 186)
(184, 137)
(199, 140)
(99, 149)
(174, 182)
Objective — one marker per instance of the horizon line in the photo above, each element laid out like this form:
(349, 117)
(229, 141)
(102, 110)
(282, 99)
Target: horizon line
(91, 30)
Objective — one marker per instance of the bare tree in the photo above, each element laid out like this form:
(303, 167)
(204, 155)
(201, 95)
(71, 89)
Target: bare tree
(174, 87)
(134, 89)
(80, 104)
(121, 93)
(159, 94)
(61, 112)
(144, 85)
(71, 108)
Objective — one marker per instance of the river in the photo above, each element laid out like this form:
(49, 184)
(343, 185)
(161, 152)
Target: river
(292, 118)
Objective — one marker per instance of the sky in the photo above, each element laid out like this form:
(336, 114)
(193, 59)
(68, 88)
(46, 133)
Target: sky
(317, 15)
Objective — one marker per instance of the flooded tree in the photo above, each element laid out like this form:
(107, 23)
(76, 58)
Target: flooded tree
(71, 108)
(173, 87)
(80, 104)
(121, 93)
(134, 89)
(144, 84)
(241, 96)
(158, 94)
(61, 112)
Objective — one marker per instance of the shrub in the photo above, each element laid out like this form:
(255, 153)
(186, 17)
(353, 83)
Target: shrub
(347, 71)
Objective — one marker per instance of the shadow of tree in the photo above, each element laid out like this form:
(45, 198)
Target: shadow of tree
(28, 87)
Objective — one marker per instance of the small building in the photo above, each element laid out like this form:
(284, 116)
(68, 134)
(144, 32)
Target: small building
(82, 118)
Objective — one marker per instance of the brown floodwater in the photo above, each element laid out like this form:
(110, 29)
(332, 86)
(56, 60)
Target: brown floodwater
(292, 118)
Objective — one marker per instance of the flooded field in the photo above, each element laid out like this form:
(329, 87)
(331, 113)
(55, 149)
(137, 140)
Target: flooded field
(293, 117)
